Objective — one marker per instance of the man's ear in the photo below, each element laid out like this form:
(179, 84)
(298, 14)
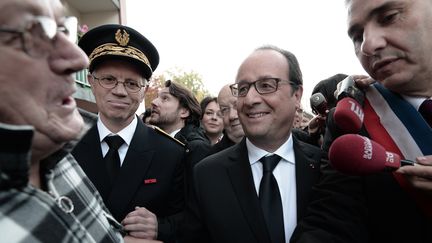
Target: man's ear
(298, 94)
(91, 81)
(184, 113)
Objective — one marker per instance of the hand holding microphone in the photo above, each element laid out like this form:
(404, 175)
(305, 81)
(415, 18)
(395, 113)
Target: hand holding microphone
(348, 114)
(420, 177)
(353, 154)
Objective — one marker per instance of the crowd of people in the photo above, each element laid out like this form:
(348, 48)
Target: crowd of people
(240, 167)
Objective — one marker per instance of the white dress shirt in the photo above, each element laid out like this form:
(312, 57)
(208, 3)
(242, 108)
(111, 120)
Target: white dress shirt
(415, 101)
(126, 134)
(285, 176)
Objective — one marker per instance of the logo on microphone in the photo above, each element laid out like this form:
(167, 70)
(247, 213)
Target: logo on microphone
(390, 158)
(367, 148)
(356, 109)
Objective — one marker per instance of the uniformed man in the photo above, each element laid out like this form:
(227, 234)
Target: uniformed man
(137, 169)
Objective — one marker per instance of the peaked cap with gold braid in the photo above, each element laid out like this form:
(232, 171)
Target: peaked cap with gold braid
(119, 42)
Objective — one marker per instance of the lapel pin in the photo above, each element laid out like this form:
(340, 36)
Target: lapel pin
(150, 181)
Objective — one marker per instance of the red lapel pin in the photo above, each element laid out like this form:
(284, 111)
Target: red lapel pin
(150, 181)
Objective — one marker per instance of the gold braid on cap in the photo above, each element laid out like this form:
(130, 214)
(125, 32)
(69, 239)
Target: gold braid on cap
(114, 49)
(120, 49)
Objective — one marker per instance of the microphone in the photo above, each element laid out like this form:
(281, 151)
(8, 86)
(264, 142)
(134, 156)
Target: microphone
(348, 115)
(318, 103)
(348, 88)
(353, 154)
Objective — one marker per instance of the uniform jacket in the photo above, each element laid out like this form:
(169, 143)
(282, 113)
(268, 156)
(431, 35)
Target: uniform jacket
(151, 176)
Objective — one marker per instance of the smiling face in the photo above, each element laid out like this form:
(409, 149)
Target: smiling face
(267, 119)
(38, 91)
(392, 41)
(116, 106)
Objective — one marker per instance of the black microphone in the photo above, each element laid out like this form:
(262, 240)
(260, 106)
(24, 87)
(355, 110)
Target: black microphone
(348, 115)
(318, 104)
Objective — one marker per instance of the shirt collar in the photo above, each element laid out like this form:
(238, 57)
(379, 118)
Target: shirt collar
(126, 133)
(174, 132)
(415, 101)
(285, 151)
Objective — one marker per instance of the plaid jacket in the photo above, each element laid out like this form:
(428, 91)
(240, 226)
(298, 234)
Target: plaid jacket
(68, 210)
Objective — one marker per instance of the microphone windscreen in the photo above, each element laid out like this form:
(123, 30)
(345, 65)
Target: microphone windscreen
(353, 154)
(318, 103)
(348, 115)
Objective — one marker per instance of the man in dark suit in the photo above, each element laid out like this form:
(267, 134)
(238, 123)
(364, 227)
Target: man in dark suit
(231, 202)
(140, 178)
(392, 41)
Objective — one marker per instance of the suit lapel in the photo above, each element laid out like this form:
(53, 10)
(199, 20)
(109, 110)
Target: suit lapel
(307, 174)
(133, 171)
(239, 172)
(89, 155)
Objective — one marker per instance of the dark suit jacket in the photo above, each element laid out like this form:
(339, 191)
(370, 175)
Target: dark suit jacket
(151, 155)
(227, 207)
(226, 142)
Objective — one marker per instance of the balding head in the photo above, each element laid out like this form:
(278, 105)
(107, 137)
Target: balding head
(228, 106)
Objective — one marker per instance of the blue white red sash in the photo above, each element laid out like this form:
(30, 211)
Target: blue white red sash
(399, 127)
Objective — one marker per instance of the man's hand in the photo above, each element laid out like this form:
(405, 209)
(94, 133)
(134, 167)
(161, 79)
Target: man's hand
(141, 223)
(361, 82)
(316, 123)
(420, 175)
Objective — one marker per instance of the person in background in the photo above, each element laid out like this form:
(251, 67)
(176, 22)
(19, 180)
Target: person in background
(146, 116)
(392, 42)
(238, 197)
(233, 131)
(141, 183)
(177, 112)
(211, 119)
(45, 195)
(316, 126)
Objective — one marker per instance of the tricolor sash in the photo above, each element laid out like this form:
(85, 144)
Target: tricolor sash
(395, 124)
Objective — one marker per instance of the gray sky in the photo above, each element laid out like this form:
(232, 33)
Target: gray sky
(212, 38)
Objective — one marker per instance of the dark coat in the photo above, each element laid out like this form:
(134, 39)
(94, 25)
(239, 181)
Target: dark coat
(227, 208)
(361, 209)
(224, 143)
(197, 148)
(151, 155)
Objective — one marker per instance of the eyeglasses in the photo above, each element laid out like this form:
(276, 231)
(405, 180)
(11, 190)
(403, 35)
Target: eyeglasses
(262, 86)
(36, 39)
(110, 82)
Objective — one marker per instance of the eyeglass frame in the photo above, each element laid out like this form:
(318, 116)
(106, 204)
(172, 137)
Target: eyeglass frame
(49, 27)
(235, 93)
(117, 82)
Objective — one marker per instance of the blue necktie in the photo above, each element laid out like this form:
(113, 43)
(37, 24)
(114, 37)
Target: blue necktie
(270, 199)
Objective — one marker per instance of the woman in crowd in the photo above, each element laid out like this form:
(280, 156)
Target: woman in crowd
(211, 119)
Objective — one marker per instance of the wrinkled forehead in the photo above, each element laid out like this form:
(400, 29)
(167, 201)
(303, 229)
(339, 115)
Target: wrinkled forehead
(12, 11)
